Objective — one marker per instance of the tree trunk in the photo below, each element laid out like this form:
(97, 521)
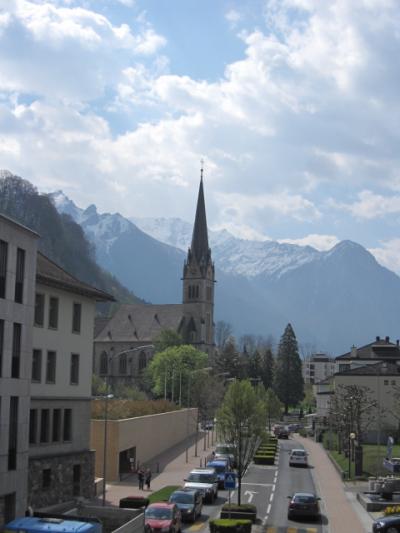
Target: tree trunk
(239, 489)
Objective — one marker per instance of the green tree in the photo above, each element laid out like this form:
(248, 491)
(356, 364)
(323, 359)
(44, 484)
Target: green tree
(99, 387)
(241, 422)
(167, 339)
(170, 371)
(289, 382)
(273, 406)
(228, 359)
(267, 367)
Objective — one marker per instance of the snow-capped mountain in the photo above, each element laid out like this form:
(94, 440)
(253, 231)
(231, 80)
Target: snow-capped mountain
(333, 299)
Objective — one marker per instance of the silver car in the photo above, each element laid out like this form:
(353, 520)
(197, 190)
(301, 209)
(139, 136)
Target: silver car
(205, 480)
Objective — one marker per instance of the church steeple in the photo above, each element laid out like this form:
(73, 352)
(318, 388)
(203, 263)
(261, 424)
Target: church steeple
(198, 283)
(199, 246)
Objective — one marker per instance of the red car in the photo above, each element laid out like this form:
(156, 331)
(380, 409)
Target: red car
(163, 517)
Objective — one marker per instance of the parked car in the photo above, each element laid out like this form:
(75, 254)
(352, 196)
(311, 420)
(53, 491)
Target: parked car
(207, 425)
(223, 450)
(163, 516)
(205, 480)
(387, 524)
(189, 502)
(298, 457)
(221, 465)
(304, 504)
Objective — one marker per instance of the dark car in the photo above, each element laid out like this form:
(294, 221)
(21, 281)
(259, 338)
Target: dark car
(387, 524)
(163, 516)
(304, 504)
(189, 502)
(283, 434)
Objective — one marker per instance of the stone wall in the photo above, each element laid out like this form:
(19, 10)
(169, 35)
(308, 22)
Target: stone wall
(61, 486)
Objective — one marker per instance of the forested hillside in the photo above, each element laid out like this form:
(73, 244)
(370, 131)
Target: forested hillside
(61, 239)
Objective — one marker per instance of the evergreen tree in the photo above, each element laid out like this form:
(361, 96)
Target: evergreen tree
(228, 360)
(289, 383)
(267, 368)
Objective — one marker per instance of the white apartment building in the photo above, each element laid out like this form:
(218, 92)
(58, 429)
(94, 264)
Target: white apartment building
(317, 367)
(18, 247)
(61, 463)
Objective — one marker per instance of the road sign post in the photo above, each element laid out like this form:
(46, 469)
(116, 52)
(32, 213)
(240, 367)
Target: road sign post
(229, 485)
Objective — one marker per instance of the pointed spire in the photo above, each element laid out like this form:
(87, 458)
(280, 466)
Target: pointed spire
(199, 247)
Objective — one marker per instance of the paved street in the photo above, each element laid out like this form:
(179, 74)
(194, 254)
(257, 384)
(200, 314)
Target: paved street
(267, 487)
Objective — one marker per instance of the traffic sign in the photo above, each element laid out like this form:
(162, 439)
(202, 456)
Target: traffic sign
(230, 481)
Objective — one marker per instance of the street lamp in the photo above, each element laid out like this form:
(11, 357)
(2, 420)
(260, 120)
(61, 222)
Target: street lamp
(107, 396)
(352, 436)
(206, 369)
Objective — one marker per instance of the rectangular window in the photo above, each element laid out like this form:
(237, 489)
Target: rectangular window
(56, 425)
(67, 424)
(76, 480)
(51, 367)
(13, 433)
(37, 365)
(44, 425)
(386, 382)
(76, 318)
(33, 420)
(1, 345)
(16, 350)
(10, 502)
(53, 312)
(74, 369)
(46, 478)
(19, 276)
(39, 310)
(3, 268)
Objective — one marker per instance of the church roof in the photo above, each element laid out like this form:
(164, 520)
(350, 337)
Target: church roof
(199, 246)
(140, 322)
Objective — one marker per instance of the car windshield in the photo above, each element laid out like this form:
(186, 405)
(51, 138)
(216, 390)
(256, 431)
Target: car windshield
(304, 498)
(201, 478)
(181, 497)
(224, 448)
(160, 513)
(219, 468)
(300, 453)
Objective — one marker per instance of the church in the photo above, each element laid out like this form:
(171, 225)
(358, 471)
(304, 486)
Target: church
(123, 344)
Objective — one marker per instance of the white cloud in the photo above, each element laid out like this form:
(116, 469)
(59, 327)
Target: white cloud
(371, 205)
(320, 242)
(388, 254)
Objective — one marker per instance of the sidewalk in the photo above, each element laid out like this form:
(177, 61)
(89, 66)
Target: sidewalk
(345, 513)
(172, 466)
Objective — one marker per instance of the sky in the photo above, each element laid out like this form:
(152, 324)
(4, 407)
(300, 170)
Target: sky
(293, 105)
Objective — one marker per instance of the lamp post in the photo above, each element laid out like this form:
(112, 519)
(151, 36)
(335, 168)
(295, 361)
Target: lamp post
(107, 396)
(352, 436)
(206, 369)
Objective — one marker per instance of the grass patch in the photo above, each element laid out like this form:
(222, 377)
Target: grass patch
(373, 456)
(163, 494)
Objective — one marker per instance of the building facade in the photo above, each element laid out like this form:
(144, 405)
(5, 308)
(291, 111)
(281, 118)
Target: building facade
(382, 349)
(61, 462)
(317, 367)
(18, 247)
(135, 327)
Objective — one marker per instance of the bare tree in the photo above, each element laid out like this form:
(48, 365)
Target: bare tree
(223, 331)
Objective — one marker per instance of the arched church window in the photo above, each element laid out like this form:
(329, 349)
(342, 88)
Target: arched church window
(197, 291)
(190, 292)
(122, 364)
(103, 364)
(142, 361)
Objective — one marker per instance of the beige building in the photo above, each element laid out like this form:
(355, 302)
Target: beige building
(317, 367)
(139, 440)
(61, 462)
(18, 246)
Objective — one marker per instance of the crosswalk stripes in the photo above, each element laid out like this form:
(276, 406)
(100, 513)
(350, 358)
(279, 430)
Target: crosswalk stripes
(271, 529)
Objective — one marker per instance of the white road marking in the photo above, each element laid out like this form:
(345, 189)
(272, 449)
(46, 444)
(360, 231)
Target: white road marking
(250, 493)
(259, 484)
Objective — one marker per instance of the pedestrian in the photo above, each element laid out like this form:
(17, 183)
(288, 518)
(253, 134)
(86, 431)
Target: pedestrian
(148, 478)
(141, 478)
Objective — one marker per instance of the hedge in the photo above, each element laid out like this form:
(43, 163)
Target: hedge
(133, 502)
(226, 525)
(264, 459)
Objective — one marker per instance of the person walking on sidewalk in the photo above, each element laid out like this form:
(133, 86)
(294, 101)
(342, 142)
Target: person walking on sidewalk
(141, 478)
(148, 478)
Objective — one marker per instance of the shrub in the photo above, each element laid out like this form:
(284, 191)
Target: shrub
(264, 459)
(119, 409)
(226, 525)
(134, 502)
(393, 509)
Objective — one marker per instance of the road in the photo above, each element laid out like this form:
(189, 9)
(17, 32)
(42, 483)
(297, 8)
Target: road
(267, 487)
